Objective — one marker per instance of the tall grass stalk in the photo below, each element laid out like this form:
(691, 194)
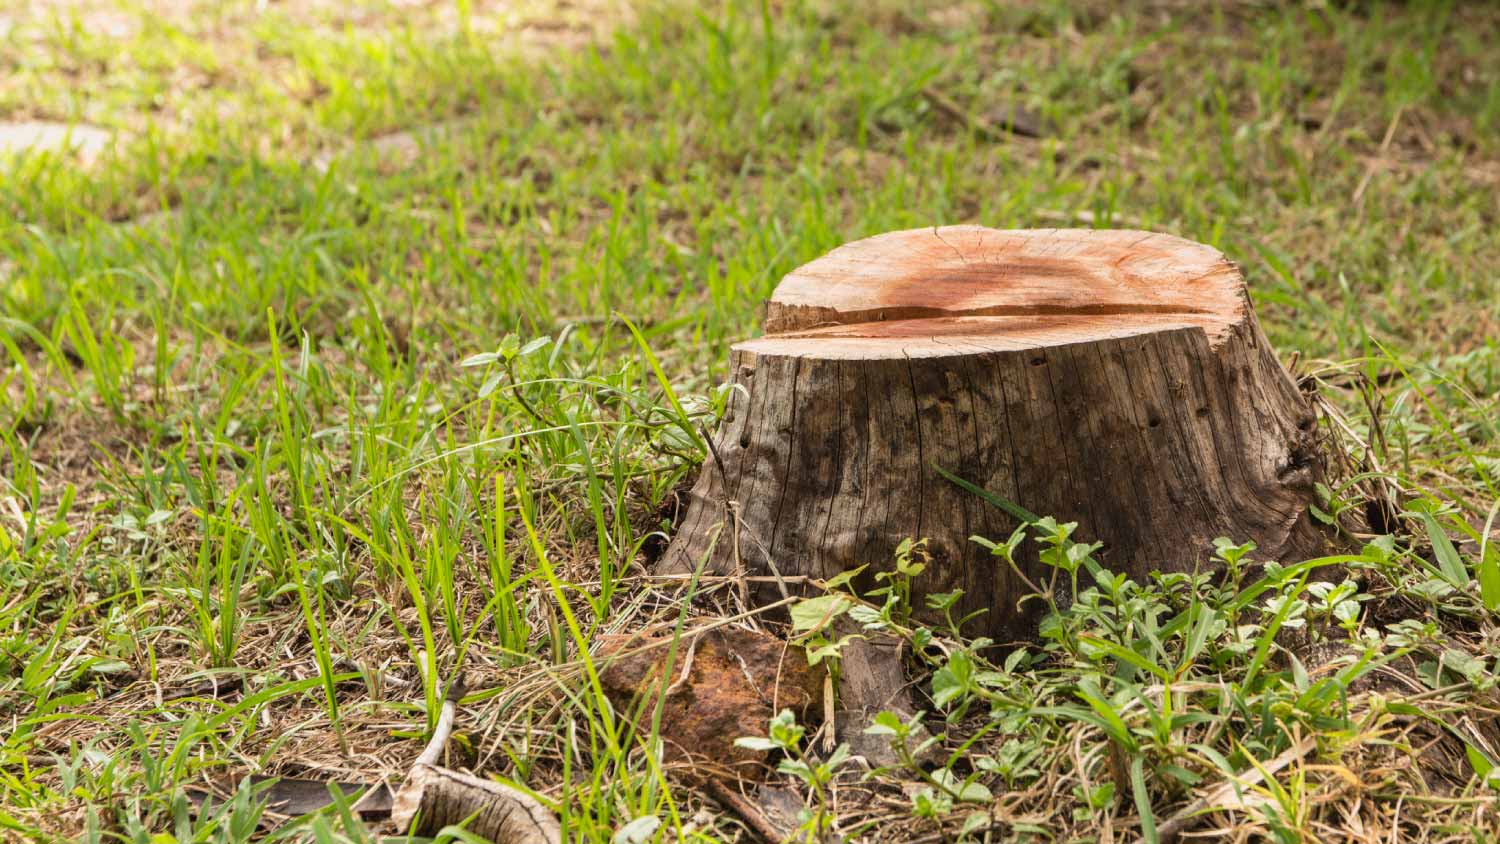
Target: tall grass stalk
(223, 564)
(306, 575)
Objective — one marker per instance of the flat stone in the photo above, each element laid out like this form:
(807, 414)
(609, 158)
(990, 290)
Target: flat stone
(394, 149)
(149, 224)
(110, 25)
(38, 136)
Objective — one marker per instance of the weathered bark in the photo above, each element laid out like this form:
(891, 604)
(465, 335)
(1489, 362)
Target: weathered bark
(1116, 379)
(872, 679)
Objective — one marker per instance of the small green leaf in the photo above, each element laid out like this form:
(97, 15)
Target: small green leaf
(481, 359)
(838, 757)
(1489, 577)
(535, 345)
(953, 680)
(490, 384)
(814, 614)
(842, 578)
(1453, 568)
(1467, 665)
(886, 724)
(943, 601)
(966, 792)
(1381, 549)
(785, 731)
(638, 831)
(973, 823)
(1481, 763)
(829, 650)
(796, 768)
(108, 666)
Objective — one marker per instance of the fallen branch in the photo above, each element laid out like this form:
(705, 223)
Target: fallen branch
(748, 812)
(1014, 121)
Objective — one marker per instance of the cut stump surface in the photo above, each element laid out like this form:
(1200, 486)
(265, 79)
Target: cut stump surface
(1118, 379)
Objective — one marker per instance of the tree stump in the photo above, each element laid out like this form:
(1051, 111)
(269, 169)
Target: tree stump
(1118, 379)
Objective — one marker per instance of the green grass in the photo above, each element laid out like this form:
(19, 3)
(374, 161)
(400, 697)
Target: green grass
(351, 417)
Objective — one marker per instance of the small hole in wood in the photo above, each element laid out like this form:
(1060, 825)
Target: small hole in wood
(1202, 411)
(1038, 361)
(1154, 422)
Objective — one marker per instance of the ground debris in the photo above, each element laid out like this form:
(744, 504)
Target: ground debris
(720, 685)
(434, 798)
(291, 797)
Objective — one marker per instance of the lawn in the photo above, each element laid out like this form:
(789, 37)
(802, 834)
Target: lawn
(377, 345)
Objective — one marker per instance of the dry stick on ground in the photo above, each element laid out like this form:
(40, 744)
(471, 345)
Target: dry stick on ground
(1015, 122)
(753, 817)
(436, 797)
(1116, 379)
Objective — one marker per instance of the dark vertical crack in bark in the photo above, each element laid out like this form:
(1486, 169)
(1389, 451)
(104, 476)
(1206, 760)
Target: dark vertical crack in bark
(1015, 477)
(916, 406)
(888, 450)
(1181, 459)
(837, 471)
(975, 575)
(1070, 478)
(1137, 432)
(760, 390)
(1218, 383)
(786, 474)
(1189, 424)
(748, 438)
(857, 535)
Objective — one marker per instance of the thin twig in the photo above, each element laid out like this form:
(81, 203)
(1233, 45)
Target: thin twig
(433, 753)
(753, 817)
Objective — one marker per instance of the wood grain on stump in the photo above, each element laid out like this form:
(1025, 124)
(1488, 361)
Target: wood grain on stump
(1118, 379)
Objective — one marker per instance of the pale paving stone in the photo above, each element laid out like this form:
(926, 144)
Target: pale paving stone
(395, 148)
(37, 136)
